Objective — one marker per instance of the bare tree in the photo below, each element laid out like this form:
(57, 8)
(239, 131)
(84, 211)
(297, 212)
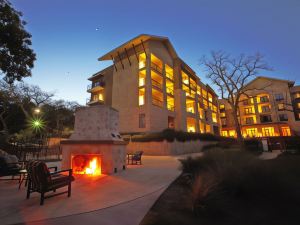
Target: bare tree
(231, 75)
(23, 94)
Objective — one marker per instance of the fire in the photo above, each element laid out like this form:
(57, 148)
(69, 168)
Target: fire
(93, 168)
(87, 164)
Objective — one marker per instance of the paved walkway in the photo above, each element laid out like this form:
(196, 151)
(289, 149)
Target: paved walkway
(123, 198)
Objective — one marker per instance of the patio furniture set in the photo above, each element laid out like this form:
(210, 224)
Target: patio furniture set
(39, 178)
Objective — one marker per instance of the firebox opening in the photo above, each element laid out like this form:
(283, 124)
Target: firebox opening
(89, 164)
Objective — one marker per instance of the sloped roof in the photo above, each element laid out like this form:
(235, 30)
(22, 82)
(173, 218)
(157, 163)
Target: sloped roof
(270, 78)
(136, 41)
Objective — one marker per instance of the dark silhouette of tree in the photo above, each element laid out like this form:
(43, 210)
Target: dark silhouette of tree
(231, 75)
(16, 56)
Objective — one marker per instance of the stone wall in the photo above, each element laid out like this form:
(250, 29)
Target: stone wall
(167, 148)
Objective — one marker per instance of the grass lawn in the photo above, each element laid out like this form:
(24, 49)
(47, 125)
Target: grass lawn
(231, 189)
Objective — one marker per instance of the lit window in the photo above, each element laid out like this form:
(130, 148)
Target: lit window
(224, 133)
(142, 61)
(156, 63)
(157, 98)
(169, 87)
(100, 97)
(268, 131)
(207, 128)
(170, 103)
(191, 125)
(222, 106)
(204, 93)
(280, 106)
(201, 112)
(185, 78)
(222, 114)
(202, 127)
(193, 84)
(141, 96)
(198, 90)
(169, 72)
(142, 78)
(297, 95)
(231, 133)
(210, 97)
(286, 131)
(214, 117)
(190, 106)
(251, 132)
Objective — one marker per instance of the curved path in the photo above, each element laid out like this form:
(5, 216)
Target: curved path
(123, 198)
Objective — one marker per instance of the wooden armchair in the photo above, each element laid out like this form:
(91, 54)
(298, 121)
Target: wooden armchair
(135, 158)
(42, 181)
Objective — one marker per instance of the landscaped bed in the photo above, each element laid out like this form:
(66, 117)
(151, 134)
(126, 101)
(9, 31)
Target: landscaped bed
(231, 188)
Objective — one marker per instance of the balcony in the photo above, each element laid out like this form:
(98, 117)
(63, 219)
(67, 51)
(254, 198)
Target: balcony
(170, 107)
(264, 99)
(157, 84)
(170, 91)
(94, 101)
(169, 76)
(156, 67)
(97, 86)
(157, 102)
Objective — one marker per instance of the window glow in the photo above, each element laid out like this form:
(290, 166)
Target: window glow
(286, 131)
(141, 96)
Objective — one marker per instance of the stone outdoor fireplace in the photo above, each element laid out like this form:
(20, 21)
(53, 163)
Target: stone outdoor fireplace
(96, 146)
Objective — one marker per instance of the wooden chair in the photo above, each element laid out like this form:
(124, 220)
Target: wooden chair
(42, 181)
(135, 158)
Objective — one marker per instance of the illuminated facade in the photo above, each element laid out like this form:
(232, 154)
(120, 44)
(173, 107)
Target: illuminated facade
(153, 89)
(271, 108)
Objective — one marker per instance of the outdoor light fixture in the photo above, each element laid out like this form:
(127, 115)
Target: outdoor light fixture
(36, 124)
(37, 110)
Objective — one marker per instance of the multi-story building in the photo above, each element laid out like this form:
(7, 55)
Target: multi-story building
(271, 107)
(153, 89)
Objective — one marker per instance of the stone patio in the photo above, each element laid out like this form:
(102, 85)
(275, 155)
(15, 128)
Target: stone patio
(123, 198)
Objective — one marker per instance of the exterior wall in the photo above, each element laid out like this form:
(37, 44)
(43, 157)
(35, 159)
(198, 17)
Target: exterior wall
(259, 87)
(123, 87)
(167, 148)
(295, 95)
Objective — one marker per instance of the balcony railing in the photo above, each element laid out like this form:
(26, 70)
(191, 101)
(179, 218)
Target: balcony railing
(264, 99)
(265, 109)
(170, 91)
(156, 84)
(157, 102)
(170, 107)
(169, 76)
(96, 84)
(193, 86)
(249, 122)
(156, 67)
(93, 101)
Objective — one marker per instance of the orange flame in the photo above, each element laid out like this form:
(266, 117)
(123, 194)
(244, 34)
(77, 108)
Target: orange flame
(94, 168)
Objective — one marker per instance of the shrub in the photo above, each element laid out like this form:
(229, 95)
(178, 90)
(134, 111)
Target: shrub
(232, 184)
(170, 135)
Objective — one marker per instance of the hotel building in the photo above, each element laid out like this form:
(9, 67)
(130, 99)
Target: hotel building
(271, 107)
(154, 89)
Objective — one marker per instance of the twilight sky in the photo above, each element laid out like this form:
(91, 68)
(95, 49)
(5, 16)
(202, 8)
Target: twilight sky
(67, 43)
